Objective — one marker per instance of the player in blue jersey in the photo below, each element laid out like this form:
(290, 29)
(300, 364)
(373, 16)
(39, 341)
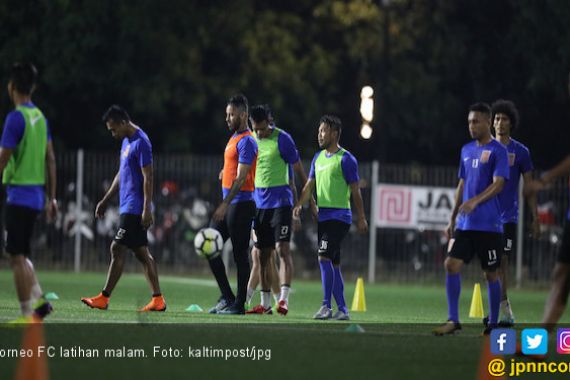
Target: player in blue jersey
(483, 170)
(560, 288)
(505, 120)
(274, 201)
(334, 175)
(134, 181)
(26, 153)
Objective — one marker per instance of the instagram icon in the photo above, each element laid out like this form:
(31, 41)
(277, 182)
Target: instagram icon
(563, 341)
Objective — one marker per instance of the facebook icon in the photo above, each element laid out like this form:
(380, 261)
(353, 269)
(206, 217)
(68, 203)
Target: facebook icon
(503, 341)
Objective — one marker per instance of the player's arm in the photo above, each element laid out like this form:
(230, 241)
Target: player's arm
(361, 223)
(306, 194)
(493, 189)
(300, 171)
(146, 218)
(102, 205)
(242, 172)
(458, 201)
(532, 204)
(52, 182)
(5, 154)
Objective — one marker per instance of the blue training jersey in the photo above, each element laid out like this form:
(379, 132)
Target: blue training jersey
(477, 167)
(349, 166)
(32, 196)
(519, 164)
(279, 196)
(136, 153)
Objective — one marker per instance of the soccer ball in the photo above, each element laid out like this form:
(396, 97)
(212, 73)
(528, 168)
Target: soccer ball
(208, 243)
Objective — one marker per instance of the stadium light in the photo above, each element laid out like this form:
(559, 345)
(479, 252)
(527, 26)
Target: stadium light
(365, 131)
(366, 111)
(367, 104)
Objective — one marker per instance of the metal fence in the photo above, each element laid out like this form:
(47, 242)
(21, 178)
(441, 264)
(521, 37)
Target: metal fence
(187, 190)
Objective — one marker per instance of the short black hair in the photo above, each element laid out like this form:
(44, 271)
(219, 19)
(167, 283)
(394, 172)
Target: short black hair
(258, 114)
(333, 122)
(116, 113)
(239, 101)
(23, 77)
(508, 108)
(481, 107)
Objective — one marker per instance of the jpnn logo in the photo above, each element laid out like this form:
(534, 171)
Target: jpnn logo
(503, 341)
(534, 341)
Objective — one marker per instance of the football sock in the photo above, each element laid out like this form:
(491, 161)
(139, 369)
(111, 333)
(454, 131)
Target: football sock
(285, 289)
(494, 292)
(106, 293)
(327, 278)
(250, 294)
(453, 289)
(338, 290)
(266, 299)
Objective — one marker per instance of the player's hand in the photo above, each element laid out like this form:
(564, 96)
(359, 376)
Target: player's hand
(100, 209)
(297, 211)
(220, 212)
(533, 187)
(449, 230)
(468, 206)
(147, 220)
(535, 228)
(52, 210)
(362, 225)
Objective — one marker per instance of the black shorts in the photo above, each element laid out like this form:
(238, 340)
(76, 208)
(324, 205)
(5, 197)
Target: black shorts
(487, 245)
(510, 236)
(331, 233)
(131, 233)
(272, 225)
(20, 221)
(564, 253)
(236, 226)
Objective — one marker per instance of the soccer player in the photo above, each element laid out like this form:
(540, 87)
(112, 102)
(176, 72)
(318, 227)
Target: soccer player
(483, 169)
(25, 151)
(134, 182)
(234, 216)
(334, 175)
(505, 120)
(560, 288)
(274, 201)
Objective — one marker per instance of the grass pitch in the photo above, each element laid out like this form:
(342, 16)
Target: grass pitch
(396, 342)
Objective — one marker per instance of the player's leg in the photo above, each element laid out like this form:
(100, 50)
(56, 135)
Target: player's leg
(338, 282)
(101, 301)
(281, 223)
(239, 225)
(265, 260)
(20, 223)
(274, 274)
(460, 252)
(490, 251)
(218, 268)
(506, 314)
(560, 288)
(157, 303)
(253, 276)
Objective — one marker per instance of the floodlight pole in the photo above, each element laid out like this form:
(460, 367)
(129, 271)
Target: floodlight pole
(372, 226)
(78, 209)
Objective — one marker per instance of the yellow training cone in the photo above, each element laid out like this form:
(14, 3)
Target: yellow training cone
(476, 310)
(359, 301)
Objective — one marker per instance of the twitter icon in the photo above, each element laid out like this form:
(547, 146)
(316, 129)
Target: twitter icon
(534, 341)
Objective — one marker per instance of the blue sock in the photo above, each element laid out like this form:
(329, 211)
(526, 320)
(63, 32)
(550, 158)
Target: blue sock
(453, 288)
(338, 290)
(494, 291)
(327, 278)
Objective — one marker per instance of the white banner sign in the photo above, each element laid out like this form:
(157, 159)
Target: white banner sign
(414, 207)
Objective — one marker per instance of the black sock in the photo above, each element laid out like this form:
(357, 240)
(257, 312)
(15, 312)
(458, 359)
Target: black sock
(219, 270)
(106, 293)
(243, 278)
(157, 294)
